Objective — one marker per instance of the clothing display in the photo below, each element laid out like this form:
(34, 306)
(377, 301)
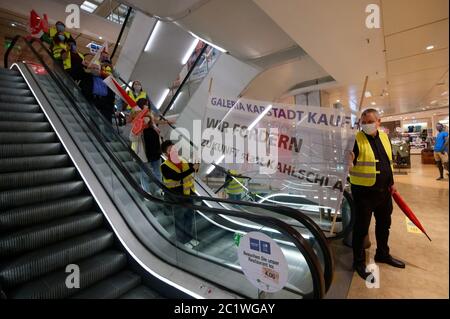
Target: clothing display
(401, 153)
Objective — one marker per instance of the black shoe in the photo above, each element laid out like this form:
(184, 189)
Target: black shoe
(440, 178)
(361, 270)
(390, 261)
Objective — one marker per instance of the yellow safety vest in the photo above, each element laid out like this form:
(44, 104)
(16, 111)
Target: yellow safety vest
(364, 173)
(68, 62)
(187, 182)
(142, 95)
(53, 31)
(234, 187)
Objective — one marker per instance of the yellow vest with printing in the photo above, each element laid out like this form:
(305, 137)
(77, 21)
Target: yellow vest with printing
(52, 31)
(142, 95)
(234, 187)
(187, 182)
(364, 173)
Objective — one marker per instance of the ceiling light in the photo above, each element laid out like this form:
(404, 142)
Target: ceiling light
(338, 101)
(367, 94)
(373, 103)
(100, 37)
(444, 93)
(423, 108)
(13, 24)
(433, 102)
(88, 6)
(162, 98)
(189, 51)
(430, 47)
(152, 36)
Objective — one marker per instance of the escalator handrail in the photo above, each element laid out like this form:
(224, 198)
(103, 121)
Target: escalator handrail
(297, 215)
(300, 243)
(180, 88)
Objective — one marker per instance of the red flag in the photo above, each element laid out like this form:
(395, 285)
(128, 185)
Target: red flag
(408, 212)
(112, 83)
(138, 123)
(37, 25)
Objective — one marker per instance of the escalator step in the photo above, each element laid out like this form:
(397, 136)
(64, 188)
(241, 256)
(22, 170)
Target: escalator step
(34, 178)
(10, 77)
(45, 260)
(17, 99)
(14, 85)
(92, 271)
(210, 235)
(39, 194)
(23, 150)
(15, 91)
(19, 107)
(112, 287)
(39, 213)
(141, 292)
(22, 116)
(13, 126)
(39, 236)
(27, 137)
(18, 164)
(9, 71)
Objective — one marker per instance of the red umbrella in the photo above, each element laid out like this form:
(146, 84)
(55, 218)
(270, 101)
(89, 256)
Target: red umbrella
(408, 212)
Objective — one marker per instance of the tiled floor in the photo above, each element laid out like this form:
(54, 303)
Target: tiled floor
(427, 269)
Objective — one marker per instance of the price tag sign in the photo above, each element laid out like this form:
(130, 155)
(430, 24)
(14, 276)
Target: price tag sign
(263, 262)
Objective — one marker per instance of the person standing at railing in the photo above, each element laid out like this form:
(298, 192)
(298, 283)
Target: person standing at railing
(178, 177)
(372, 185)
(138, 95)
(234, 185)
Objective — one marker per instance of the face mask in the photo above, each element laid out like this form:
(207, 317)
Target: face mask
(137, 88)
(60, 28)
(61, 37)
(173, 155)
(369, 128)
(146, 120)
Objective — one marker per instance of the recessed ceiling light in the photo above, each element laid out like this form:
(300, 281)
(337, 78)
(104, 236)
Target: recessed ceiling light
(430, 47)
(444, 93)
(373, 103)
(101, 38)
(13, 24)
(433, 102)
(423, 108)
(367, 94)
(338, 101)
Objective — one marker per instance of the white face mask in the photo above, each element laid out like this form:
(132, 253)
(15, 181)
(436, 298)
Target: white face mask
(369, 128)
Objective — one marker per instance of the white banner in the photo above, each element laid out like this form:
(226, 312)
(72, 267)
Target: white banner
(312, 144)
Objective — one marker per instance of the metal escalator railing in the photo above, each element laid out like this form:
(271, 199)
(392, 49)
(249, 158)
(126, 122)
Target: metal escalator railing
(266, 222)
(303, 223)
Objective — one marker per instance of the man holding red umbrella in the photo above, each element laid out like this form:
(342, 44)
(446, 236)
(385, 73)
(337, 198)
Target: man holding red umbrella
(372, 184)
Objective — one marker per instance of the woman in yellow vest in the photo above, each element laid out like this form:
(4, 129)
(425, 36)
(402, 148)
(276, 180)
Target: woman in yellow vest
(372, 184)
(137, 94)
(178, 177)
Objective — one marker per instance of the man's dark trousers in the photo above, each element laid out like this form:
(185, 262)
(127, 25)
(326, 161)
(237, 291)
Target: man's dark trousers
(367, 202)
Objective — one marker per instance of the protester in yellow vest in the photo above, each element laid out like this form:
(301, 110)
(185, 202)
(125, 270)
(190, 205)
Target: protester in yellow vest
(234, 187)
(178, 177)
(372, 183)
(137, 94)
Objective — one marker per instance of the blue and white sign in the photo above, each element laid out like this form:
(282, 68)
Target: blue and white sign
(263, 262)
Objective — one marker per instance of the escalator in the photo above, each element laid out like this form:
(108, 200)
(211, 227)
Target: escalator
(151, 218)
(48, 218)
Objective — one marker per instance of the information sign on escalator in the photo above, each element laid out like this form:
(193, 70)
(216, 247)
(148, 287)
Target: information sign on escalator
(263, 262)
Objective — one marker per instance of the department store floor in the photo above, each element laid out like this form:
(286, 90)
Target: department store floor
(427, 263)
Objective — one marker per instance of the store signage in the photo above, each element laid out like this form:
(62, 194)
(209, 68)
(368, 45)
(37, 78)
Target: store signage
(312, 144)
(263, 262)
